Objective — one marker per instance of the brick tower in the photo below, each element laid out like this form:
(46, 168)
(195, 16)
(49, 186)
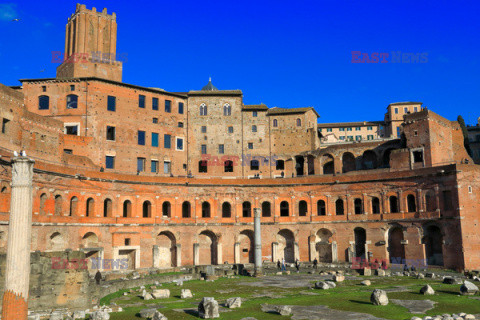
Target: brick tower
(90, 46)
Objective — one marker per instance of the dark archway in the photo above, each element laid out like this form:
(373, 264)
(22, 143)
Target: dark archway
(286, 245)
(127, 209)
(247, 252)
(321, 208)
(186, 209)
(375, 205)
(328, 164)
(58, 205)
(147, 209)
(323, 245)
(339, 208)
(411, 203)
(266, 209)
(167, 250)
(206, 210)
(393, 204)
(302, 208)
(73, 206)
(299, 165)
(107, 208)
(433, 240)
(360, 241)
(284, 209)
(166, 209)
(386, 158)
(348, 162)
(246, 209)
(369, 160)
(358, 206)
(90, 209)
(226, 210)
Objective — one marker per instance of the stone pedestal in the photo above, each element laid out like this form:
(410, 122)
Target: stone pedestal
(17, 275)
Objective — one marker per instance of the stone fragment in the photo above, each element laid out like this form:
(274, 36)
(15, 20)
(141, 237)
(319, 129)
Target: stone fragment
(233, 303)
(147, 313)
(367, 271)
(468, 288)
(284, 310)
(208, 308)
(186, 293)
(158, 316)
(56, 315)
(148, 296)
(321, 285)
(379, 297)
(427, 290)
(100, 315)
(79, 315)
(448, 280)
(420, 276)
(161, 293)
(381, 273)
(366, 283)
(331, 284)
(338, 278)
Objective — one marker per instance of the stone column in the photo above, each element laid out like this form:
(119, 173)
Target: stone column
(178, 253)
(156, 256)
(274, 251)
(236, 252)
(17, 275)
(196, 257)
(313, 251)
(219, 253)
(334, 252)
(258, 242)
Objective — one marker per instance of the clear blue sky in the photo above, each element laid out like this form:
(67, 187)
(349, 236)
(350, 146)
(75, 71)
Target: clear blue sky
(285, 54)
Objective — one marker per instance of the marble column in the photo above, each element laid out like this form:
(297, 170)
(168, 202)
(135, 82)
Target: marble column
(17, 275)
(236, 252)
(196, 251)
(275, 252)
(334, 252)
(258, 242)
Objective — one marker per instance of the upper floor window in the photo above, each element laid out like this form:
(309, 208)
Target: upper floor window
(111, 103)
(154, 139)
(154, 103)
(110, 133)
(221, 149)
(299, 122)
(180, 107)
(396, 110)
(203, 109)
(358, 128)
(167, 143)
(342, 129)
(179, 143)
(329, 129)
(180, 124)
(43, 102)
(71, 130)
(230, 129)
(155, 120)
(204, 129)
(72, 101)
(168, 106)
(369, 128)
(250, 145)
(109, 162)
(349, 129)
(255, 114)
(141, 138)
(141, 101)
(227, 110)
(405, 110)
(254, 128)
(44, 88)
(275, 123)
(415, 109)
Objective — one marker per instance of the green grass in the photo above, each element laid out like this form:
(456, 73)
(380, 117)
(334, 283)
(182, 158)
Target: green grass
(348, 295)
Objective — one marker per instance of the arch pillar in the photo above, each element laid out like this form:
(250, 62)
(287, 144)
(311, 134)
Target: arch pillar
(334, 252)
(311, 246)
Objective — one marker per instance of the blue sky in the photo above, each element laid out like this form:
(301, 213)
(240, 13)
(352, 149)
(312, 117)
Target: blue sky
(285, 54)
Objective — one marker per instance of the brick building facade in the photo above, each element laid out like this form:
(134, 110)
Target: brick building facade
(169, 179)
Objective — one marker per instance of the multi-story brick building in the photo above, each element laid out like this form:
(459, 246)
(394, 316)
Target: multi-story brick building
(474, 141)
(162, 178)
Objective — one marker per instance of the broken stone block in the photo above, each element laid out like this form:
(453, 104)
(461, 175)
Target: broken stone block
(233, 303)
(468, 288)
(379, 297)
(186, 293)
(208, 308)
(427, 290)
(284, 310)
(161, 293)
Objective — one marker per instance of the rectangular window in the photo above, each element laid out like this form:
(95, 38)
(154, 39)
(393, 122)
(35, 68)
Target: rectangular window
(349, 129)
(110, 133)
(180, 144)
(168, 106)
(180, 124)
(141, 138)
(140, 164)
(370, 137)
(342, 129)
(5, 125)
(166, 167)
(330, 129)
(68, 151)
(167, 141)
(111, 103)
(396, 110)
(154, 166)
(204, 129)
(342, 138)
(350, 138)
(44, 88)
(141, 101)
(180, 107)
(415, 109)
(154, 103)
(154, 139)
(71, 130)
(358, 128)
(72, 87)
(358, 138)
(204, 149)
(369, 128)
(250, 145)
(398, 132)
(230, 129)
(405, 110)
(221, 149)
(109, 162)
(255, 114)
(418, 156)
(155, 120)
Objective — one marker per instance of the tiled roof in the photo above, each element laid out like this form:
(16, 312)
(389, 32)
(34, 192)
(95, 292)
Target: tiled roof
(350, 124)
(282, 111)
(255, 107)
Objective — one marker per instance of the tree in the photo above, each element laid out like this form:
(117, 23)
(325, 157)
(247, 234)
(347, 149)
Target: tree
(466, 142)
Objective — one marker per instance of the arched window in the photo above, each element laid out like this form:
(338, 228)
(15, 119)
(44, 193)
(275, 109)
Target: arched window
(254, 128)
(73, 206)
(247, 209)
(4, 190)
(58, 205)
(339, 210)
(393, 204)
(284, 210)
(275, 123)
(147, 209)
(90, 210)
(266, 209)
(202, 166)
(203, 109)
(321, 209)
(43, 199)
(166, 209)
(186, 209)
(226, 210)
(205, 210)
(375, 205)
(358, 206)
(228, 166)
(72, 101)
(43, 102)
(227, 110)
(127, 209)
(299, 123)
(302, 208)
(107, 208)
(411, 205)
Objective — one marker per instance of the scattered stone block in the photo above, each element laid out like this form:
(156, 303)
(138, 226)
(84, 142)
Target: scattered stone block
(208, 308)
(284, 310)
(380, 272)
(338, 278)
(448, 280)
(161, 293)
(233, 303)
(331, 284)
(366, 283)
(468, 288)
(186, 294)
(367, 271)
(321, 285)
(158, 316)
(100, 315)
(427, 290)
(379, 297)
(148, 296)
(147, 313)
